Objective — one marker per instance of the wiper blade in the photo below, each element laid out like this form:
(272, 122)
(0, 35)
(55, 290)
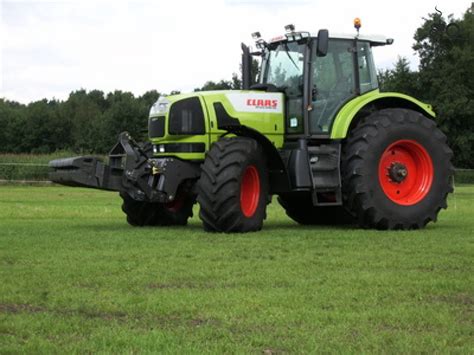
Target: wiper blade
(289, 56)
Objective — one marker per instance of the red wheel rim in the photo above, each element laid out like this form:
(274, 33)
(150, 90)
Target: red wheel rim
(405, 172)
(249, 191)
(175, 205)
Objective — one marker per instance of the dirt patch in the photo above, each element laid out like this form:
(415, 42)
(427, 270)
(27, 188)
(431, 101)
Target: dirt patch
(152, 320)
(198, 322)
(164, 286)
(20, 308)
(199, 286)
(92, 314)
(13, 308)
(457, 299)
(272, 351)
(181, 285)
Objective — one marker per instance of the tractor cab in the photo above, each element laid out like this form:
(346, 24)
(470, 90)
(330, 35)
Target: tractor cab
(317, 75)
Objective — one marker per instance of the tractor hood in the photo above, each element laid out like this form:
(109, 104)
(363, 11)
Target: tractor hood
(207, 115)
(248, 100)
(240, 100)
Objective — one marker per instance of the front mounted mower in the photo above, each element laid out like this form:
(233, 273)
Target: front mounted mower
(313, 129)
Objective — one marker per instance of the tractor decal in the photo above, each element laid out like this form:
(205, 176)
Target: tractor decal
(256, 102)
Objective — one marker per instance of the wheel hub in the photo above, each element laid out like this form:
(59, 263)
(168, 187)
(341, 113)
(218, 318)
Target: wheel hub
(397, 172)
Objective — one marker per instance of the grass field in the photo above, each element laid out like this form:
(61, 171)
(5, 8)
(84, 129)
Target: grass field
(76, 278)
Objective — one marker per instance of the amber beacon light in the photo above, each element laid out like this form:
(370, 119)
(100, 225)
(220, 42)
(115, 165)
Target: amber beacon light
(357, 24)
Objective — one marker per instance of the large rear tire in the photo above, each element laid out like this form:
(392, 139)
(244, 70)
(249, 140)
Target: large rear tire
(396, 170)
(141, 213)
(301, 209)
(233, 188)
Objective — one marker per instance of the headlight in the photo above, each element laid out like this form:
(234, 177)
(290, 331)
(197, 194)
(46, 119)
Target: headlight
(160, 106)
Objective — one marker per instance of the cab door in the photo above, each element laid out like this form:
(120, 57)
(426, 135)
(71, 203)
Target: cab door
(285, 71)
(332, 82)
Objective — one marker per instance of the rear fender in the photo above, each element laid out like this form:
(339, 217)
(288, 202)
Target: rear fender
(359, 107)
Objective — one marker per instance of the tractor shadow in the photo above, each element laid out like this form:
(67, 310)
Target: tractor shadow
(121, 227)
(273, 227)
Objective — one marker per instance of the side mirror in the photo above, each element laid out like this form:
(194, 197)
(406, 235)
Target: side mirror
(323, 40)
(246, 67)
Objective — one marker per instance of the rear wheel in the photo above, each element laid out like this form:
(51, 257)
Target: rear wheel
(141, 213)
(396, 170)
(301, 210)
(233, 188)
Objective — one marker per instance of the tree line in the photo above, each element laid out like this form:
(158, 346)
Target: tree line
(445, 78)
(89, 122)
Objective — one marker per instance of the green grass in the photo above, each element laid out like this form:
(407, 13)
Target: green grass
(464, 176)
(76, 278)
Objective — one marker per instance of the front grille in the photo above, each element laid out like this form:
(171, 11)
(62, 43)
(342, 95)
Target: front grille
(186, 117)
(156, 127)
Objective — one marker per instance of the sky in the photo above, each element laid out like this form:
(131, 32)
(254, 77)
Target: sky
(50, 48)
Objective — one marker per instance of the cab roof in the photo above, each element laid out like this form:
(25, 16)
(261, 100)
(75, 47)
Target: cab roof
(374, 40)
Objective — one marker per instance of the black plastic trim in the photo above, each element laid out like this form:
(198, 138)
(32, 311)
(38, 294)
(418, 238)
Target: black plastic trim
(246, 67)
(193, 106)
(156, 126)
(356, 67)
(307, 80)
(224, 120)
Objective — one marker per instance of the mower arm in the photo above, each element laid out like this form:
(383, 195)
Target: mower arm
(129, 169)
(85, 171)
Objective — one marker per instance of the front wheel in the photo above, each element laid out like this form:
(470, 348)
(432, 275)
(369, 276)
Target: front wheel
(141, 213)
(233, 188)
(396, 170)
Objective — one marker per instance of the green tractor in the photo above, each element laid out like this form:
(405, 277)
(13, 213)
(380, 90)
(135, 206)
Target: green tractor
(313, 129)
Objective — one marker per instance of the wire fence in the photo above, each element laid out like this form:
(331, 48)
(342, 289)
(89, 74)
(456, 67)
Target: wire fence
(37, 173)
(23, 172)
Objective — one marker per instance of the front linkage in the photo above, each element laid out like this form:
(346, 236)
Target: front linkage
(131, 170)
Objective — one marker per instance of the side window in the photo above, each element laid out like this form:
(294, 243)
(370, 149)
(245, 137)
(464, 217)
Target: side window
(324, 73)
(333, 84)
(367, 73)
(284, 68)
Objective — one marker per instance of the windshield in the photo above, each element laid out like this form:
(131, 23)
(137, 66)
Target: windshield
(283, 67)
